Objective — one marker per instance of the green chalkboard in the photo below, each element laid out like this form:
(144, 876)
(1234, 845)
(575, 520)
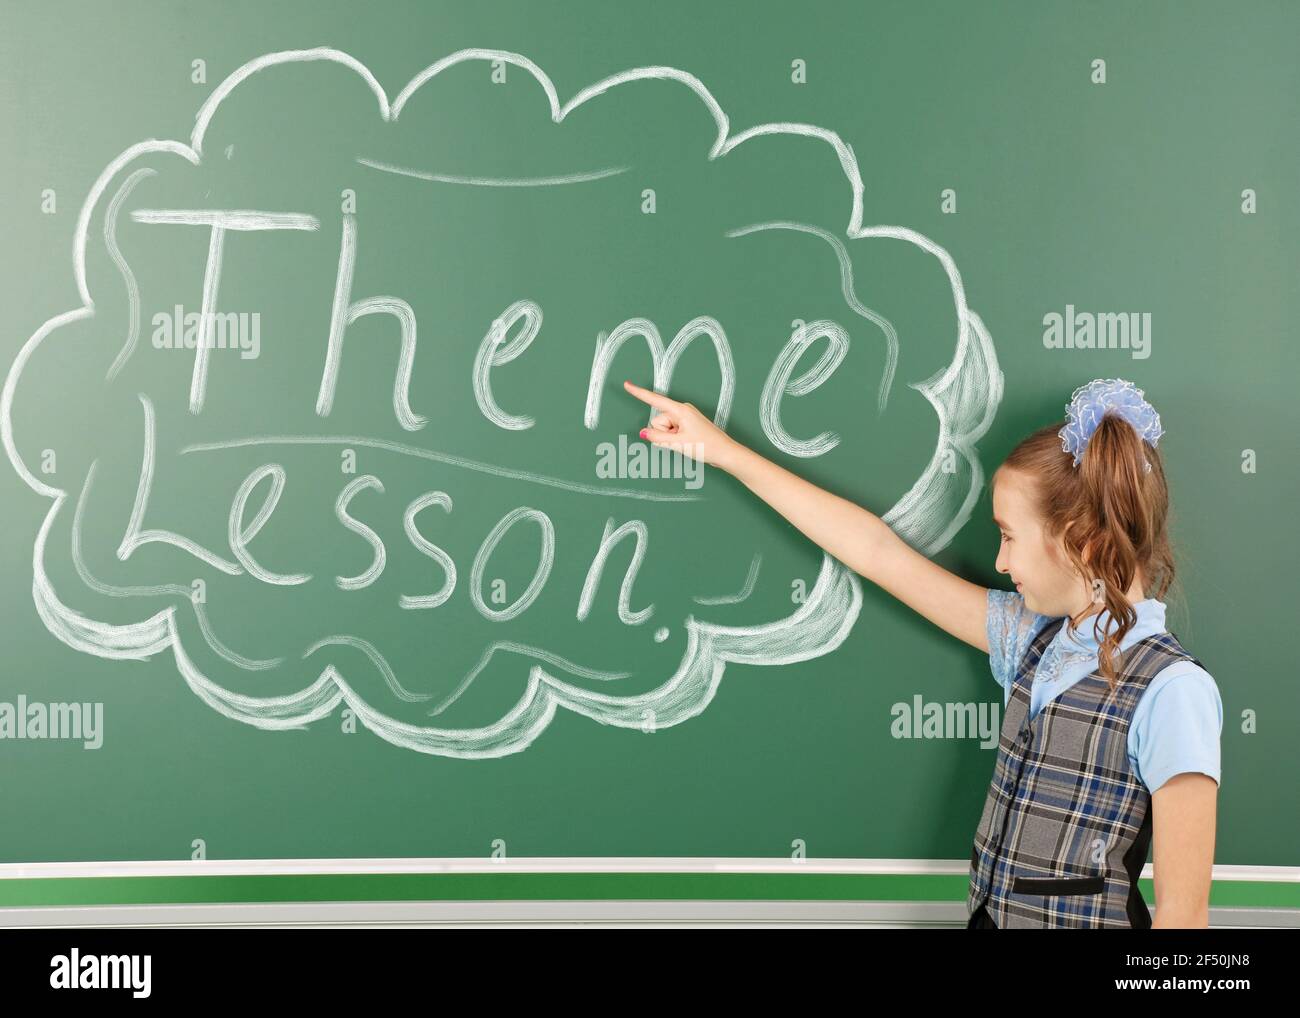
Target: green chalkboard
(380, 569)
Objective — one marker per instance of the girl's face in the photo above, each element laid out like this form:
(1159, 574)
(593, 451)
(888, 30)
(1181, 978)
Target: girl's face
(1036, 563)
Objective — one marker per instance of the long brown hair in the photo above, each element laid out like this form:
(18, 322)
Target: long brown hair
(1111, 514)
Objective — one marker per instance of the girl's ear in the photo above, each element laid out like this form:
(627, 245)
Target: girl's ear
(1058, 545)
(1086, 552)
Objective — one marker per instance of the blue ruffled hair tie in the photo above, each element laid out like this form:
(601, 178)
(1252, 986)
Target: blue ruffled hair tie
(1091, 402)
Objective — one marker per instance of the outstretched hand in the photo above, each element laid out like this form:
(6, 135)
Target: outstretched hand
(680, 426)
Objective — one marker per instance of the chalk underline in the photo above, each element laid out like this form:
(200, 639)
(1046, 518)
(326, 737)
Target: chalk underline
(447, 178)
(439, 457)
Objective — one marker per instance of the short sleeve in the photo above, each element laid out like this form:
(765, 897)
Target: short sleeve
(1010, 628)
(1176, 725)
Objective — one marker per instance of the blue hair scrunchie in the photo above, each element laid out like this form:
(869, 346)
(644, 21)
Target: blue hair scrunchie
(1091, 402)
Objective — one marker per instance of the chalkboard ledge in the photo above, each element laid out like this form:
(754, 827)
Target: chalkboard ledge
(896, 893)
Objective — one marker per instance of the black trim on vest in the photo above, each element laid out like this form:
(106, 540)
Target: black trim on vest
(1139, 916)
(1058, 885)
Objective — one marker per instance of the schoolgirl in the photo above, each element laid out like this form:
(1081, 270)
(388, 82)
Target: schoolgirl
(1109, 746)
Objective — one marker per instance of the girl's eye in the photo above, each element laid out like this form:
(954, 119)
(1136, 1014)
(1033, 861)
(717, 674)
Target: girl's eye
(1005, 538)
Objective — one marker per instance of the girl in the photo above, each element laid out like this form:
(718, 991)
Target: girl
(1111, 731)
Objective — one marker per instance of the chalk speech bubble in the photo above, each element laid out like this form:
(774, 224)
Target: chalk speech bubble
(964, 397)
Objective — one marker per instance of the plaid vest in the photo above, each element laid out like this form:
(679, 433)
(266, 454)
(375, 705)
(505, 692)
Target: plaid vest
(1067, 823)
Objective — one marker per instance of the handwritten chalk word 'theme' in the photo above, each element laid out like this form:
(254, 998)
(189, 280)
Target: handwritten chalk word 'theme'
(496, 349)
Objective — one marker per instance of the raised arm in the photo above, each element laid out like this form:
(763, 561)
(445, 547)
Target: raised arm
(858, 538)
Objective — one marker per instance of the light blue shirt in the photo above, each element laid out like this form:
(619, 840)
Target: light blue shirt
(1179, 717)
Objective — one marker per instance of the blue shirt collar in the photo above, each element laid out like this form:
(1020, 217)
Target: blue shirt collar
(1150, 620)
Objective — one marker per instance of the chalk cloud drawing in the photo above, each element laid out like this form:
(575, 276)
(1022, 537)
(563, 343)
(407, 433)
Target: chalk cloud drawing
(964, 397)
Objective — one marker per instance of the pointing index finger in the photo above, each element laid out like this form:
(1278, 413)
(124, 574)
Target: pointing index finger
(653, 398)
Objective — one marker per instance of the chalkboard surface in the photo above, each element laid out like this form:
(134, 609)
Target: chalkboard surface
(327, 503)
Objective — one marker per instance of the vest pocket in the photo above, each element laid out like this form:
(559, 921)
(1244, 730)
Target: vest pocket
(1058, 885)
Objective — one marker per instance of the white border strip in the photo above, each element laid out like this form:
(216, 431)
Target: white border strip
(548, 864)
(557, 914)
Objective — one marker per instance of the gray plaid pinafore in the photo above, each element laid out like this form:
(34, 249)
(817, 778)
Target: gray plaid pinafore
(1066, 826)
